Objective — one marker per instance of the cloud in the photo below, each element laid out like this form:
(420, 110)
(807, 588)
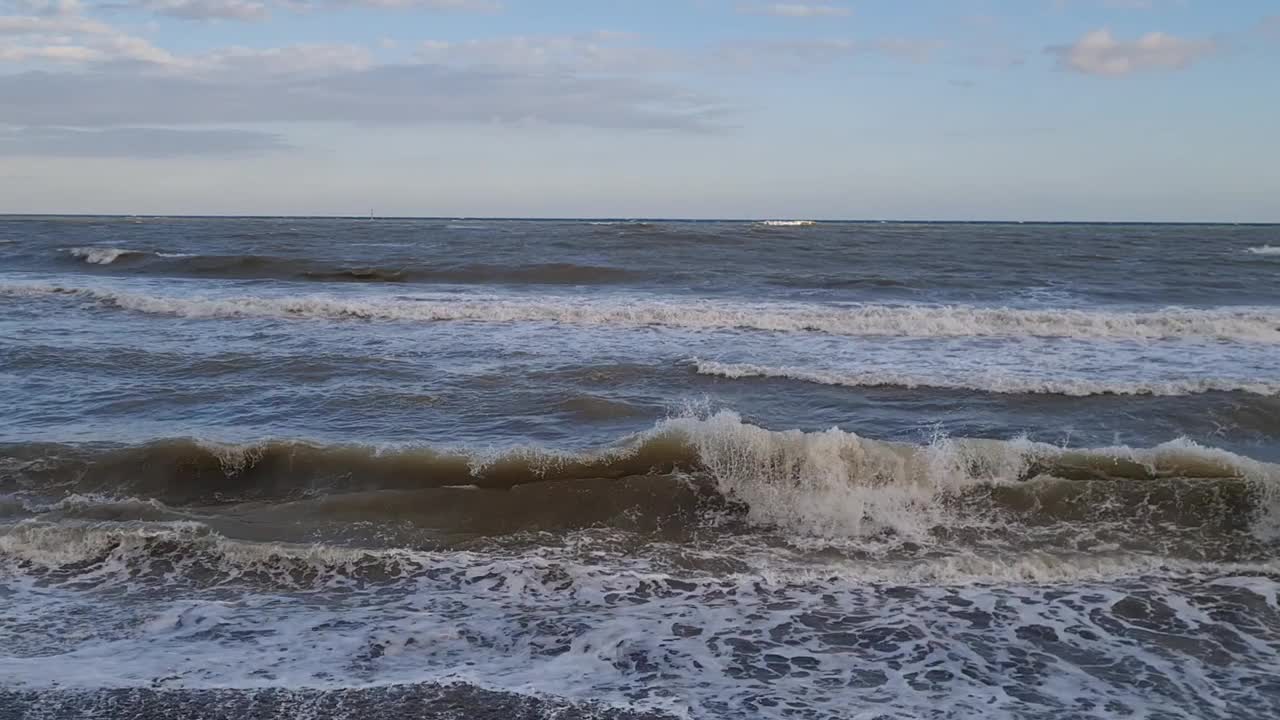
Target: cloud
(244, 10)
(404, 95)
(51, 24)
(796, 10)
(259, 9)
(56, 32)
(135, 142)
(1100, 53)
(605, 52)
(291, 60)
(600, 51)
(116, 80)
(42, 7)
(476, 6)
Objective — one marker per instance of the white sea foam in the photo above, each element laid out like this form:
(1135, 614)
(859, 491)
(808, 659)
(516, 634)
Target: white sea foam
(760, 642)
(1241, 324)
(1265, 250)
(101, 255)
(1005, 383)
(788, 223)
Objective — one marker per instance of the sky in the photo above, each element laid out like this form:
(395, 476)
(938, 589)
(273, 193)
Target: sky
(1151, 110)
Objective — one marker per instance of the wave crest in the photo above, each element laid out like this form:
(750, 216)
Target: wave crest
(1243, 324)
(993, 383)
(828, 484)
(103, 255)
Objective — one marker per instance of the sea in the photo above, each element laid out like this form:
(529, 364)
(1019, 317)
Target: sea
(475, 468)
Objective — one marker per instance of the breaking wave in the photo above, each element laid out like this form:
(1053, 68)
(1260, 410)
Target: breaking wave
(993, 383)
(192, 552)
(787, 223)
(1240, 324)
(103, 255)
(824, 484)
(1265, 250)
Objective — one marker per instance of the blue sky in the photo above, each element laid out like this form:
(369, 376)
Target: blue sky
(867, 109)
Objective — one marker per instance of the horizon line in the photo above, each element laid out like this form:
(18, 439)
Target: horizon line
(637, 219)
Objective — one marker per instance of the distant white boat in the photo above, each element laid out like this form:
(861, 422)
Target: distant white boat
(788, 223)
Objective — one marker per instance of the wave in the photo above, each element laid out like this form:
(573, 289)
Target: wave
(787, 223)
(1265, 250)
(103, 255)
(1242, 324)
(992, 383)
(286, 268)
(837, 483)
(827, 484)
(189, 550)
(192, 552)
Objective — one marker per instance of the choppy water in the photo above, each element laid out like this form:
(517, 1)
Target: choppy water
(707, 470)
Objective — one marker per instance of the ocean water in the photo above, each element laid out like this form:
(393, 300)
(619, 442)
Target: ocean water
(480, 468)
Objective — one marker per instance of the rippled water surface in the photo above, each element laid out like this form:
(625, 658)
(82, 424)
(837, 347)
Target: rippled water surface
(638, 469)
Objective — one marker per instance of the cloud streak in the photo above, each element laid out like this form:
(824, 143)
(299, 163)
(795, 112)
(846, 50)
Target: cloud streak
(56, 32)
(134, 142)
(243, 10)
(115, 80)
(405, 95)
(1120, 4)
(252, 10)
(600, 51)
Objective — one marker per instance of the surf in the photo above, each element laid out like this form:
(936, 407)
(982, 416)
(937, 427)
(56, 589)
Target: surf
(999, 383)
(831, 484)
(1256, 325)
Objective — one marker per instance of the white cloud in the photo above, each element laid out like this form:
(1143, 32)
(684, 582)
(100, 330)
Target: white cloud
(57, 33)
(797, 10)
(1100, 53)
